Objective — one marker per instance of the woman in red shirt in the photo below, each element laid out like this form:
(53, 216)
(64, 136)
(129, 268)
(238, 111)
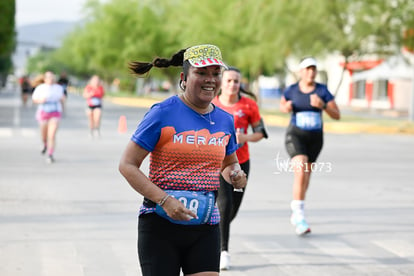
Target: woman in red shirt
(93, 93)
(246, 113)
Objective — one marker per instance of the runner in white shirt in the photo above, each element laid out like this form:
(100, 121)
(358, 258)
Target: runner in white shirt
(49, 96)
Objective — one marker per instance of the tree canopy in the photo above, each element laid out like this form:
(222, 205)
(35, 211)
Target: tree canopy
(255, 35)
(7, 37)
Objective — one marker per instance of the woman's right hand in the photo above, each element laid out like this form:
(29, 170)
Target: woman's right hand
(40, 100)
(285, 105)
(289, 106)
(176, 210)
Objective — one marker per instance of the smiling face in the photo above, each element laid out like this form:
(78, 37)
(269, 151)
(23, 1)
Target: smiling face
(202, 84)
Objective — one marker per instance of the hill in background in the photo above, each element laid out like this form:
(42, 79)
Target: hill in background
(48, 34)
(32, 37)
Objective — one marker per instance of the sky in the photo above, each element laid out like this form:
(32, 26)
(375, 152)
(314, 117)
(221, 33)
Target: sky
(40, 11)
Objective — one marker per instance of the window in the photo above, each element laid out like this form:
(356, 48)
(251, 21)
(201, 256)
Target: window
(380, 90)
(359, 89)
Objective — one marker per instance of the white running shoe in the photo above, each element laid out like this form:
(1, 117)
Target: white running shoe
(302, 227)
(224, 260)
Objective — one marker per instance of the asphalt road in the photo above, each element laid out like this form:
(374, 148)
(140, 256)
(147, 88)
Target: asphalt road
(78, 216)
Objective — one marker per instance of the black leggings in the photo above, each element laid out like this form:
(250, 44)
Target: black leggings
(164, 247)
(229, 202)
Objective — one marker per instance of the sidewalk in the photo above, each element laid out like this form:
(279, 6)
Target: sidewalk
(78, 217)
(351, 122)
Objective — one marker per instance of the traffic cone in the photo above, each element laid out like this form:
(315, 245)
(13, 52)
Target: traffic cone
(122, 124)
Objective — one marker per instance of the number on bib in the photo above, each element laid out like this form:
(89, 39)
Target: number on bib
(199, 202)
(309, 120)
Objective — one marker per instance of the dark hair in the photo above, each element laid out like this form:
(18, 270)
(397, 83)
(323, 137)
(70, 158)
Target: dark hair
(140, 68)
(241, 90)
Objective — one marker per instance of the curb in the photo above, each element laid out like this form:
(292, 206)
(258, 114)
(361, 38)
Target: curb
(338, 127)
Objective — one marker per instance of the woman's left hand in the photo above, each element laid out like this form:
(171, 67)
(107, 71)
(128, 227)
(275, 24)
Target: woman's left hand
(238, 179)
(316, 101)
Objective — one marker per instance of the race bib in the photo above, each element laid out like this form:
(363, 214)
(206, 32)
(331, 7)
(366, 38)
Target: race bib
(309, 120)
(95, 101)
(199, 202)
(50, 107)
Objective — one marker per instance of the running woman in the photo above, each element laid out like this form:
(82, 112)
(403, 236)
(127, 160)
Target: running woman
(93, 93)
(49, 96)
(246, 114)
(190, 142)
(306, 100)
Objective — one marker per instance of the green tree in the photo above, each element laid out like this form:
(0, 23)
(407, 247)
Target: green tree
(360, 28)
(116, 32)
(258, 36)
(44, 61)
(7, 38)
